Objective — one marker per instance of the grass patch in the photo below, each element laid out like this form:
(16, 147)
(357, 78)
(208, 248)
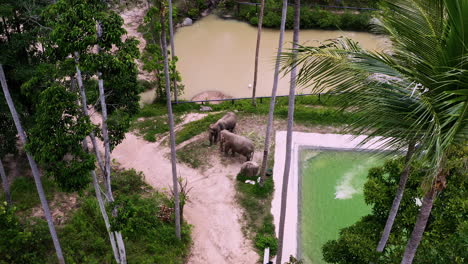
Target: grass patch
(196, 154)
(256, 203)
(24, 192)
(309, 110)
(151, 120)
(196, 127)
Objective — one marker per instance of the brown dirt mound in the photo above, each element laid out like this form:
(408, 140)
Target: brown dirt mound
(211, 95)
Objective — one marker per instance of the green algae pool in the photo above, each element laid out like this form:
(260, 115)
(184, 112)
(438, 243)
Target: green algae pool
(331, 196)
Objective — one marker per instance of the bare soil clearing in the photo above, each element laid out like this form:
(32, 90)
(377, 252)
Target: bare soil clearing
(212, 210)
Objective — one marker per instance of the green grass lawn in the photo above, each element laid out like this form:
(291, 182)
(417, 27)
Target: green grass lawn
(332, 198)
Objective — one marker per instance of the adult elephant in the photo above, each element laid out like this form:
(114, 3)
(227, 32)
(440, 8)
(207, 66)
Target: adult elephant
(236, 144)
(228, 121)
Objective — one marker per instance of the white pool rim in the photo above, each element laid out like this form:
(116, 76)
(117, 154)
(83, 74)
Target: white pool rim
(302, 140)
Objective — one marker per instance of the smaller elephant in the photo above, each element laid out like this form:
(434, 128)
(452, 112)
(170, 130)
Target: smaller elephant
(249, 168)
(228, 121)
(236, 144)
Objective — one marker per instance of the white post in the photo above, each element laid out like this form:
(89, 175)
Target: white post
(266, 256)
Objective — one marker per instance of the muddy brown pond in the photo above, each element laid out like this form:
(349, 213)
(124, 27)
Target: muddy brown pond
(218, 55)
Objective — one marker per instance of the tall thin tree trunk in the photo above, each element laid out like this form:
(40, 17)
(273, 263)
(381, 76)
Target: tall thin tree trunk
(423, 216)
(97, 189)
(171, 34)
(107, 158)
(257, 50)
(396, 201)
(171, 126)
(5, 28)
(273, 91)
(34, 169)
(6, 187)
(287, 163)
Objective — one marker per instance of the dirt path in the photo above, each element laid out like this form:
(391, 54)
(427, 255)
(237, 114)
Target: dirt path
(212, 210)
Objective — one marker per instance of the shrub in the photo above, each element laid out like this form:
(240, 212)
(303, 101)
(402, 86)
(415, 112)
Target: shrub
(24, 192)
(22, 243)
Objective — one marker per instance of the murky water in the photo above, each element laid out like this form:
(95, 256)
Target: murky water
(218, 55)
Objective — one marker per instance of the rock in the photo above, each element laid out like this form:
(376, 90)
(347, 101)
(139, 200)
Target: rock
(250, 182)
(250, 169)
(206, 12)
(205, 108)
(187, 22)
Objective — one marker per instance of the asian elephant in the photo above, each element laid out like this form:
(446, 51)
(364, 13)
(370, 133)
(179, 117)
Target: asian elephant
(250, 168)
(236, 144)
(228, 121)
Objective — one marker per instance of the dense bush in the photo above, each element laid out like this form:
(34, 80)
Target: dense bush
(148, 237)
(24, 193)
(22, 242)
(311, 17)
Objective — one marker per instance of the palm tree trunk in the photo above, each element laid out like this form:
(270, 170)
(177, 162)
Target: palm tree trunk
(107, 165)
(6, 187)
(273, 91)
(287, 163)
(97, 189)
(396, 201)
(171, 34)
(171, 126)
(423, 216)
(34, 169)
(257, 50)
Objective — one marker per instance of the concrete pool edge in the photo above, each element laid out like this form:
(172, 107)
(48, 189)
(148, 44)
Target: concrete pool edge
(301, 140)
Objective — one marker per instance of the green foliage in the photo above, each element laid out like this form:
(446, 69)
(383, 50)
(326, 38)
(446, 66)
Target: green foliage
(24, 193)
(446, 233)
(152, 58)
(128, 182)
(22, 243)
(152, 119)
(148, 239)
(196, 127)
(55, 140)
(311, 17)
(73, 25)
(256, 202)
(308, 110)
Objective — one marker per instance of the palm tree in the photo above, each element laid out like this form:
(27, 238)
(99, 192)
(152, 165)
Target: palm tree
(257, 49)
(171, 123)
(34, 168)
(273, 91)
(287, 163)
(423, 80)
(171, 34)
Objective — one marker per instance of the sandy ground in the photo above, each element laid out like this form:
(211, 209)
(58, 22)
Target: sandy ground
(212, 210)
(300, 139)
(132, 19)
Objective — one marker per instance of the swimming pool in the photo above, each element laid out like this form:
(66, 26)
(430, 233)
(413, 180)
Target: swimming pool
(331, 196)
(292, 244)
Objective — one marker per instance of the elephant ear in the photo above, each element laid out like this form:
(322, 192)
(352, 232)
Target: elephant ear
(221, 126)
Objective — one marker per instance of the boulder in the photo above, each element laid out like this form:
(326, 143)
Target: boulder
(250, 169)
(205, 108)
(187, 22)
